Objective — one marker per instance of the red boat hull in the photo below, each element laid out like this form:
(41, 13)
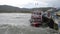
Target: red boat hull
(35, 24)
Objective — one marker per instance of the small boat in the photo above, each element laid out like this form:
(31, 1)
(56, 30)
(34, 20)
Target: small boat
(38, 19)
(58, 13)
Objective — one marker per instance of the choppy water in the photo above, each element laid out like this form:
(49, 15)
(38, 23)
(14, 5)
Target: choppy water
(18, 23)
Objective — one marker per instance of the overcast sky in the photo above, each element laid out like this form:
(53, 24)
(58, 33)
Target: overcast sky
(31, 3)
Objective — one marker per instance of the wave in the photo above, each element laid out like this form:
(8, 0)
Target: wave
(13, 29)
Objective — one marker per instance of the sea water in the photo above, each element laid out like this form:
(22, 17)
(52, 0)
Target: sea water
(18, 23)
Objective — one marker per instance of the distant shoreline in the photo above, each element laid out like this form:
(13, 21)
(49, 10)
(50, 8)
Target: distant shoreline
(17, 13)
(6, 12)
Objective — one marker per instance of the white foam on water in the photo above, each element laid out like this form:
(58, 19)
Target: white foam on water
(18, 23)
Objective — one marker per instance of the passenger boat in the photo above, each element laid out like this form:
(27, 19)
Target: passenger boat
(38, 19)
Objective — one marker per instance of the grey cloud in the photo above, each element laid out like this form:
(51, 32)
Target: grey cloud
(49, 3)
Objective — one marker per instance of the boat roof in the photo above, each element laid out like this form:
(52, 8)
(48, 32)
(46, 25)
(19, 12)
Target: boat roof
(37, 11)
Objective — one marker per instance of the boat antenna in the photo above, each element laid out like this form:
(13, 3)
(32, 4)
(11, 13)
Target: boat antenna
(36, 3)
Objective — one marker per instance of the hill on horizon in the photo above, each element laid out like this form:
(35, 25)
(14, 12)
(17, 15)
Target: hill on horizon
(11, 9)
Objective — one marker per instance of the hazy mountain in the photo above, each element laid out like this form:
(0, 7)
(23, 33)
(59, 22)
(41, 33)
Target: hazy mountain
(11, 9)
(6, 8)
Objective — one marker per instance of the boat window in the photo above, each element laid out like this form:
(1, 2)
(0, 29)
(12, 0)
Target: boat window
(39, 13)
